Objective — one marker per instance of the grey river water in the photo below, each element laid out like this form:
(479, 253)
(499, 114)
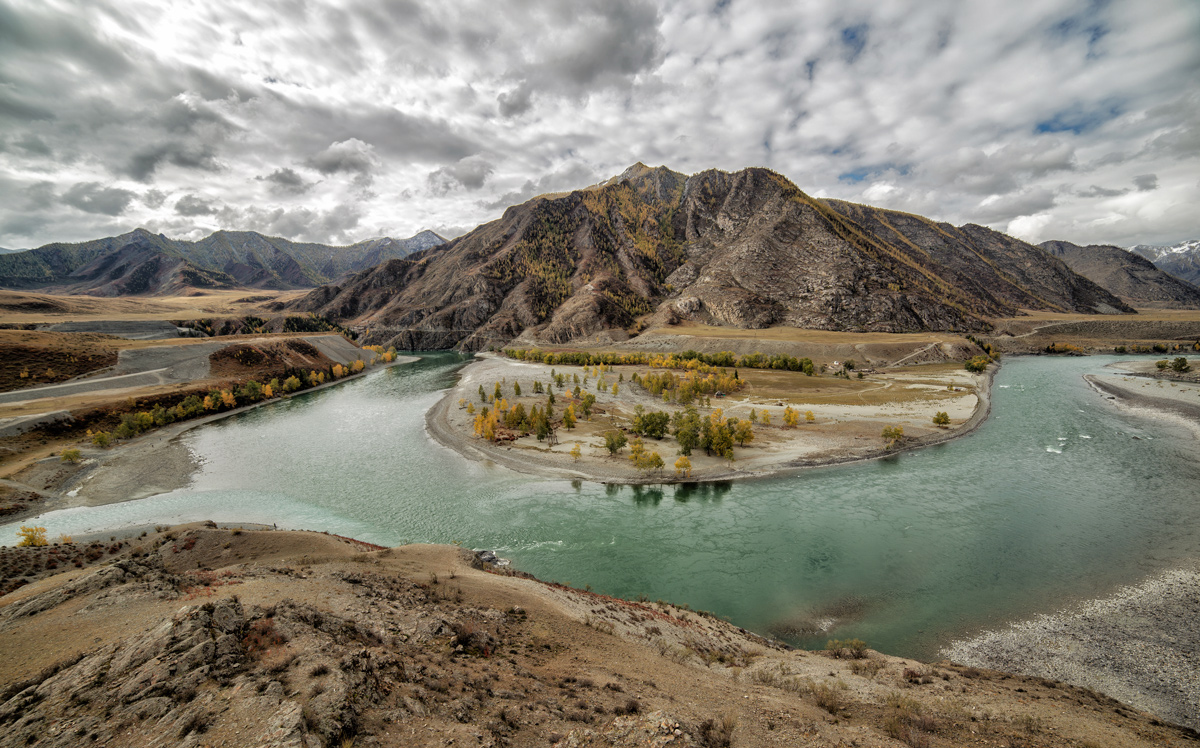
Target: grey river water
(1057, 497)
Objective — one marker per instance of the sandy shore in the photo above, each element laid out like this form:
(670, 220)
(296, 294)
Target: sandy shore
(1155, 398)
(151, 464)
(1140, 645)
(842, 433)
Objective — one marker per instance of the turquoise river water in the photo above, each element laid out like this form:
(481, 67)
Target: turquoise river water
(1057, 497)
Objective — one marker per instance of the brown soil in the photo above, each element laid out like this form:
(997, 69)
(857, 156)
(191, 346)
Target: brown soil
(1097, 334)
(259, 358)
(203, 636)
(31, 358)
(22, 308)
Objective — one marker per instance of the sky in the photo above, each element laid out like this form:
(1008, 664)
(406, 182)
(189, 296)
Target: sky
(341, 120)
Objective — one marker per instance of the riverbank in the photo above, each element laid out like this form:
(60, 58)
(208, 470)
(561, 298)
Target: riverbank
(840, 433)
(150, 464)
(1140, 646)
(235, 637)
(1178, 402)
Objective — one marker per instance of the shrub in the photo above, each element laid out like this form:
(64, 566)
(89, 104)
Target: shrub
(1181, 365)
(906, 723)
(717, 733)
(977, 364)
(70, 455)
(828, 697)
(262, 636)
(31, 537)
(853, 649)
(101, 439)
(866, 668)
(941, 418)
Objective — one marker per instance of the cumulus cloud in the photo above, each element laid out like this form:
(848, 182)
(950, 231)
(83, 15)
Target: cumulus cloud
(287, 181)
(569, 177)
(93, 197)
(351, 156)
(194, 205)
(333, 226)
(154, 198)
(1073, 118)
(469, 173)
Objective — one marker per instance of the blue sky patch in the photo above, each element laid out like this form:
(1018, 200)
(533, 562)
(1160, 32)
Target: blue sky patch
(1079, 120)
(854, 39)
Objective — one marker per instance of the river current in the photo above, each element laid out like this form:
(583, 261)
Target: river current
(1057, 497)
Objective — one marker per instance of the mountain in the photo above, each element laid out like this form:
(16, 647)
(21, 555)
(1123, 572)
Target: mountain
(1132, 277)
(1180, 260)
(144, 263)
(747, 249)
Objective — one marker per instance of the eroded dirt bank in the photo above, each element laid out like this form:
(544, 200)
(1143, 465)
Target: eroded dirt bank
(205, 636)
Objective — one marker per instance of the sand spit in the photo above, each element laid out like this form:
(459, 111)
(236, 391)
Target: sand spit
(1154, 398)
(1141, 646)
(843, 433)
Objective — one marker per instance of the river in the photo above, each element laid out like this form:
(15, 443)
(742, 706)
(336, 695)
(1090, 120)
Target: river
(1057, 497)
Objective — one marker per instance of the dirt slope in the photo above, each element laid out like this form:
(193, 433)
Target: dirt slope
(203, 636)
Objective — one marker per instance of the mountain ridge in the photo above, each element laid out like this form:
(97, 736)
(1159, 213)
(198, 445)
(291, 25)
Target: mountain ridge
(1129, 275)
(1181, 260)
(744, 249)
(141, 262)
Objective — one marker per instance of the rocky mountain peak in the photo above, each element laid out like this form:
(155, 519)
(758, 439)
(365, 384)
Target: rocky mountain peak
(744, 249)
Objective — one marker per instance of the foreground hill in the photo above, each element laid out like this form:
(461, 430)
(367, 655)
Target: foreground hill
(1180, 260)
(746, 250)
(142, 263)
(202, 636)
(1132, 277)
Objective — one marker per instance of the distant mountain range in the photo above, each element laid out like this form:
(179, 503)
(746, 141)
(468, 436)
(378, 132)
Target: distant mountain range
(1132, 277)
(1180, 260)
(142, 263)
(747, 249)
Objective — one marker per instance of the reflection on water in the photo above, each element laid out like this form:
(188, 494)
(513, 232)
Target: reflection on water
(702, 491)
(900, 552)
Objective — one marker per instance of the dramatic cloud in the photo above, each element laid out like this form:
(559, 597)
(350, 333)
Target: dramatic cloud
(336, 120)
(352, 156)
(191, 205)
(92, 197)
(469, 173)
(287, 181)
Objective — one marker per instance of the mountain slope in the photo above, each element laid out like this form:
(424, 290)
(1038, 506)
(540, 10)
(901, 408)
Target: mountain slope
(1180, 260)
(1132, 277)
(747, 249)
(152, 263)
